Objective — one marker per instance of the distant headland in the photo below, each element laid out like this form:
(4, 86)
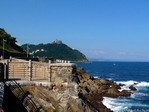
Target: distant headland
(57, 49)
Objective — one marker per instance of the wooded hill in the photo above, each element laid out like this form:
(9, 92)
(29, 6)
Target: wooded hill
(10, 46)
(56, 50)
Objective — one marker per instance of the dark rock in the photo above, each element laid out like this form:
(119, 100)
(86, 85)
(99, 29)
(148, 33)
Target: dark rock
(132, 88)
(125, 93)
(105, 81)
(116, 86)
(121, 85)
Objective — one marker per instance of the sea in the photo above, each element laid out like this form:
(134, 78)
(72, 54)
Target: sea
(128, 73)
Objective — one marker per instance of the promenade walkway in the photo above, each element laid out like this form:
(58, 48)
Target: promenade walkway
(1, 93)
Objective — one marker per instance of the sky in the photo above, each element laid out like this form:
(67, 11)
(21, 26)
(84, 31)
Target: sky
(114, 30)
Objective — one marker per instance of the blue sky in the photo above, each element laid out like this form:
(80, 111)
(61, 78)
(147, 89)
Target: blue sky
(102, 29)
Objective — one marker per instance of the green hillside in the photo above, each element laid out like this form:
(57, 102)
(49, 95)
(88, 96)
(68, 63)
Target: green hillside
(56, 50)
(9, 43)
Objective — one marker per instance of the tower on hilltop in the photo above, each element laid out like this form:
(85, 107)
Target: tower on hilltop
(57, 42)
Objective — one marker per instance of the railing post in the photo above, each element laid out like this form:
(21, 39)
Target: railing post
(30, 70)
(50, 74)
(6, 70)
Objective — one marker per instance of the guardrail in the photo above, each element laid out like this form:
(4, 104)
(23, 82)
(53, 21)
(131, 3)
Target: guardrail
(24, 97)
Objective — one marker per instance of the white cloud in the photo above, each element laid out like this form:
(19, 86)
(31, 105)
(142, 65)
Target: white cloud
(98, 52)
(122, 53)
(94, 53)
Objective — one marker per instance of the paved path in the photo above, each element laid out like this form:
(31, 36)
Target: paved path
(1, 93)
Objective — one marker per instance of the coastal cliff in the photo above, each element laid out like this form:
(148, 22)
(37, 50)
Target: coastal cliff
(83, 94)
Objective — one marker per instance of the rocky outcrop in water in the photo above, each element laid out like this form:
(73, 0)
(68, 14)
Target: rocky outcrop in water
(132, 88)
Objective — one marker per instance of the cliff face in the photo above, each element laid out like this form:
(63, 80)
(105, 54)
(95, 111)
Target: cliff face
(83, 94)
(59, 99)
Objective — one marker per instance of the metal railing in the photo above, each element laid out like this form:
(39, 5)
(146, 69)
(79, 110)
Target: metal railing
(24, 97)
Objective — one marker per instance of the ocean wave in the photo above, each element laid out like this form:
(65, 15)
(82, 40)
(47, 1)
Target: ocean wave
(110, 79)
(139, 94)
(135, 83)
(123, 104)
(114, 104)
(143, 84)
(138, 85)
(96, 77)
(130, 82)
(127, 104)
(127, 84)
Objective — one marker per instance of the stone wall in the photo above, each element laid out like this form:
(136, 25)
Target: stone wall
(60, 71)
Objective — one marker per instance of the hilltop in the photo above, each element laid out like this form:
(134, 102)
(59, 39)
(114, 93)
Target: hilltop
(10, 46)
(56, 49)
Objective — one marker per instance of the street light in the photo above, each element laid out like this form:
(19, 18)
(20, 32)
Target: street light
(4, 48)
(27, 51)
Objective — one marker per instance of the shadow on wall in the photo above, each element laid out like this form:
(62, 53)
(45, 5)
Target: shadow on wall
(11, 103)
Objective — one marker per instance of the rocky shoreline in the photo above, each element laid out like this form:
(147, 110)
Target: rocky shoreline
(84, 94)
(94, 89)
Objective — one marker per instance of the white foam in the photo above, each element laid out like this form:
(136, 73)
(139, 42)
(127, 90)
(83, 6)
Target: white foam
(135, 83)
(114, 105)
(127, 84)
(138, 94)
(120, 104)
(125, 104)
(110, 79)
(96, 77)
(131, 82)
(143, 84)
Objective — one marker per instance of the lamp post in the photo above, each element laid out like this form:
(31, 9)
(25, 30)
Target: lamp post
(27, 51)
(4, 48)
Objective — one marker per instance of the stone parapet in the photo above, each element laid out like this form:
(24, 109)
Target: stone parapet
(63, 64)
(60, 71)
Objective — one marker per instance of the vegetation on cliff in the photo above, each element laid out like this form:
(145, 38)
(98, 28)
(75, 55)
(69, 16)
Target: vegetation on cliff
(56, 50)
(9, 42)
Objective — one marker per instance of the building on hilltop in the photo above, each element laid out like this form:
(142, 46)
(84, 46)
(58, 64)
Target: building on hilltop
(57, 42)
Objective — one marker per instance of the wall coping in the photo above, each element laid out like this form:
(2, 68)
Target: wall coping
(63, 64)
